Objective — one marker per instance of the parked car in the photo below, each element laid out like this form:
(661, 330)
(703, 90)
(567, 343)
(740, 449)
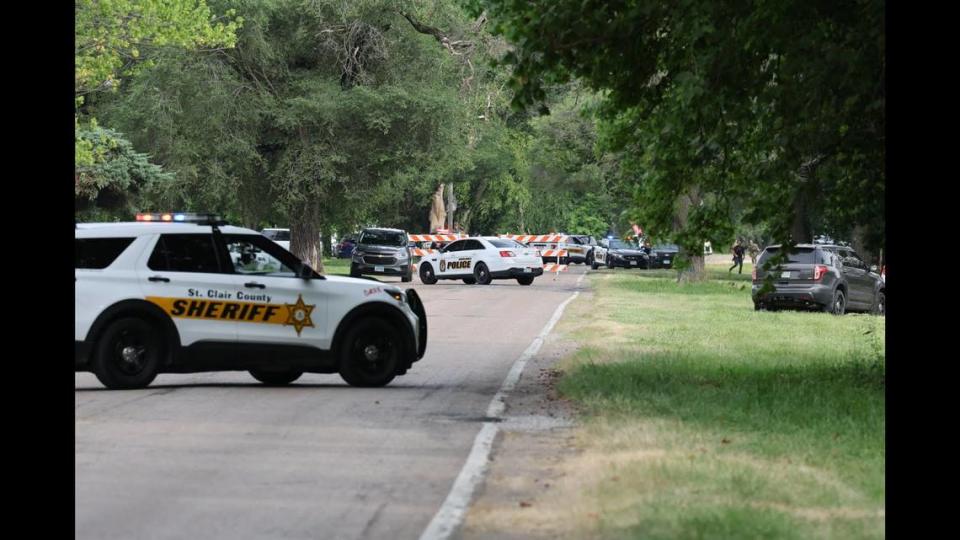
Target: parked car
(383, 252)
(480, 260)
(616, 252)
(828, 278)
(345, 247)
(664, 255)
(580, 248)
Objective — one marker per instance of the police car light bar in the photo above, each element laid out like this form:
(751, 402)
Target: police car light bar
(180, 217)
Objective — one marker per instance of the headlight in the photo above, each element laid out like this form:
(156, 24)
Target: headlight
(403, 255)
(397, 295)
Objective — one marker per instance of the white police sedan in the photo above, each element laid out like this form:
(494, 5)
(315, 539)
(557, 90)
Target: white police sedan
(481, 260)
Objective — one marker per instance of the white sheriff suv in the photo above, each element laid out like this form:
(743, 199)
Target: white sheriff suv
(480, 260)
(185, 293)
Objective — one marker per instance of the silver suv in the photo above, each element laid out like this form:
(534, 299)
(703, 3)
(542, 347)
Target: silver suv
(382, 252)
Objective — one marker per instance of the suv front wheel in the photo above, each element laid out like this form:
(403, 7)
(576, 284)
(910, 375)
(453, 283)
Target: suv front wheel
(128, 354)
(370, 354)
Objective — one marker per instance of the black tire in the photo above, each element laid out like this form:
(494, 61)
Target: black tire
(594, 265)
(482, 274)
(757, 307)
(589, 259)
(408, 277)
(370, 353)
(880, 305)
(275, 378)
(127, 355)
(470, 281)
(525, 280)
(427, 277)
(609, 261)
(354, 272)
(838, 304)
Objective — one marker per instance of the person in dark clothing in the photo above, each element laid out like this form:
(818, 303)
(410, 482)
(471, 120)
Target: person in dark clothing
(738, 252)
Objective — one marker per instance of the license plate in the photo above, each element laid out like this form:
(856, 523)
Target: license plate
(526, 269)
(378, 269)
(634, 263)
(785, 275)
(666, 261)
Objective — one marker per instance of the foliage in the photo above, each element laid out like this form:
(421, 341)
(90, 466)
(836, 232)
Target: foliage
(738, 106)
(107, 187)
(112, 36)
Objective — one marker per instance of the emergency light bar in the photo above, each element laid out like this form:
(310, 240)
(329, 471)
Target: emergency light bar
(180, 217)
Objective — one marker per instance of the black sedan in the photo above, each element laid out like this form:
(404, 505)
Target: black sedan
(622, 254)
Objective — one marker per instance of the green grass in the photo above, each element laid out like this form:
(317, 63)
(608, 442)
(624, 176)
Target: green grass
(748, 424)
(337, 267)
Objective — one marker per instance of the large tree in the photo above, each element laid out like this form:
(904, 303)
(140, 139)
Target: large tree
(775, 108)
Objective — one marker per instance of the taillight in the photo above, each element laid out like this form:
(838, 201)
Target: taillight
(819, 271)
(505, 253)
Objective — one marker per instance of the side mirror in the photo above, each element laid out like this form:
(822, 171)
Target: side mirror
(305, 271)
(874, 269)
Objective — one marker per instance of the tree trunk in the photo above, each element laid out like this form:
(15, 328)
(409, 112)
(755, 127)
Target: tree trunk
(696, 270)
(305, 238)
(801, 229)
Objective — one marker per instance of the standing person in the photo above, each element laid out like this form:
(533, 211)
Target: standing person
(754, 251)
(738, 251)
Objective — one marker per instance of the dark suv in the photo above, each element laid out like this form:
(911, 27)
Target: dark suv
(823, 277)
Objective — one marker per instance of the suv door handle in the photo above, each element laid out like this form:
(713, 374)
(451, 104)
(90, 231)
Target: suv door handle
(159, 278)
(255, 285)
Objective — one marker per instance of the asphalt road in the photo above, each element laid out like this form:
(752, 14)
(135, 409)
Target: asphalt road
(217, 455)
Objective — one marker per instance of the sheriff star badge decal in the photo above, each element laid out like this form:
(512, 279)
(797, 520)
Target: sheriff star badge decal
(299, 315)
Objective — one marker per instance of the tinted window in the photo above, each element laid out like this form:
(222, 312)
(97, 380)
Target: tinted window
(799, 256)
(184, 253)
(505, 243)
(619, 244)
(474, 244)
(99, 252)
(459, 245)
(383, 238)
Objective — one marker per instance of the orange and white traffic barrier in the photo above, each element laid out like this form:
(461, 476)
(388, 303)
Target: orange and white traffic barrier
(422, 252)
(553, 253)
(539, 238)
(554, 267)
(435, 237)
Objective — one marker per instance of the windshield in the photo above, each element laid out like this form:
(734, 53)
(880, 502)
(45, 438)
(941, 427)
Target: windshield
(383, 238)
(620, 244)
(800, 256)
(667, 247)
(505, 243)
(277, 234)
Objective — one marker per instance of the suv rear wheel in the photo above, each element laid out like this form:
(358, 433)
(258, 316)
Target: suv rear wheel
(370, 354)
(838, 305)
(525, 280)
(128, 354)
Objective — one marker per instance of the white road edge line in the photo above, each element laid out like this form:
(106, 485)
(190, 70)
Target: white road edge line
(451, 513)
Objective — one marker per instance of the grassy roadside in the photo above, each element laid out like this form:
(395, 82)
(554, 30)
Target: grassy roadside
(708, 419)
(337, 267)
